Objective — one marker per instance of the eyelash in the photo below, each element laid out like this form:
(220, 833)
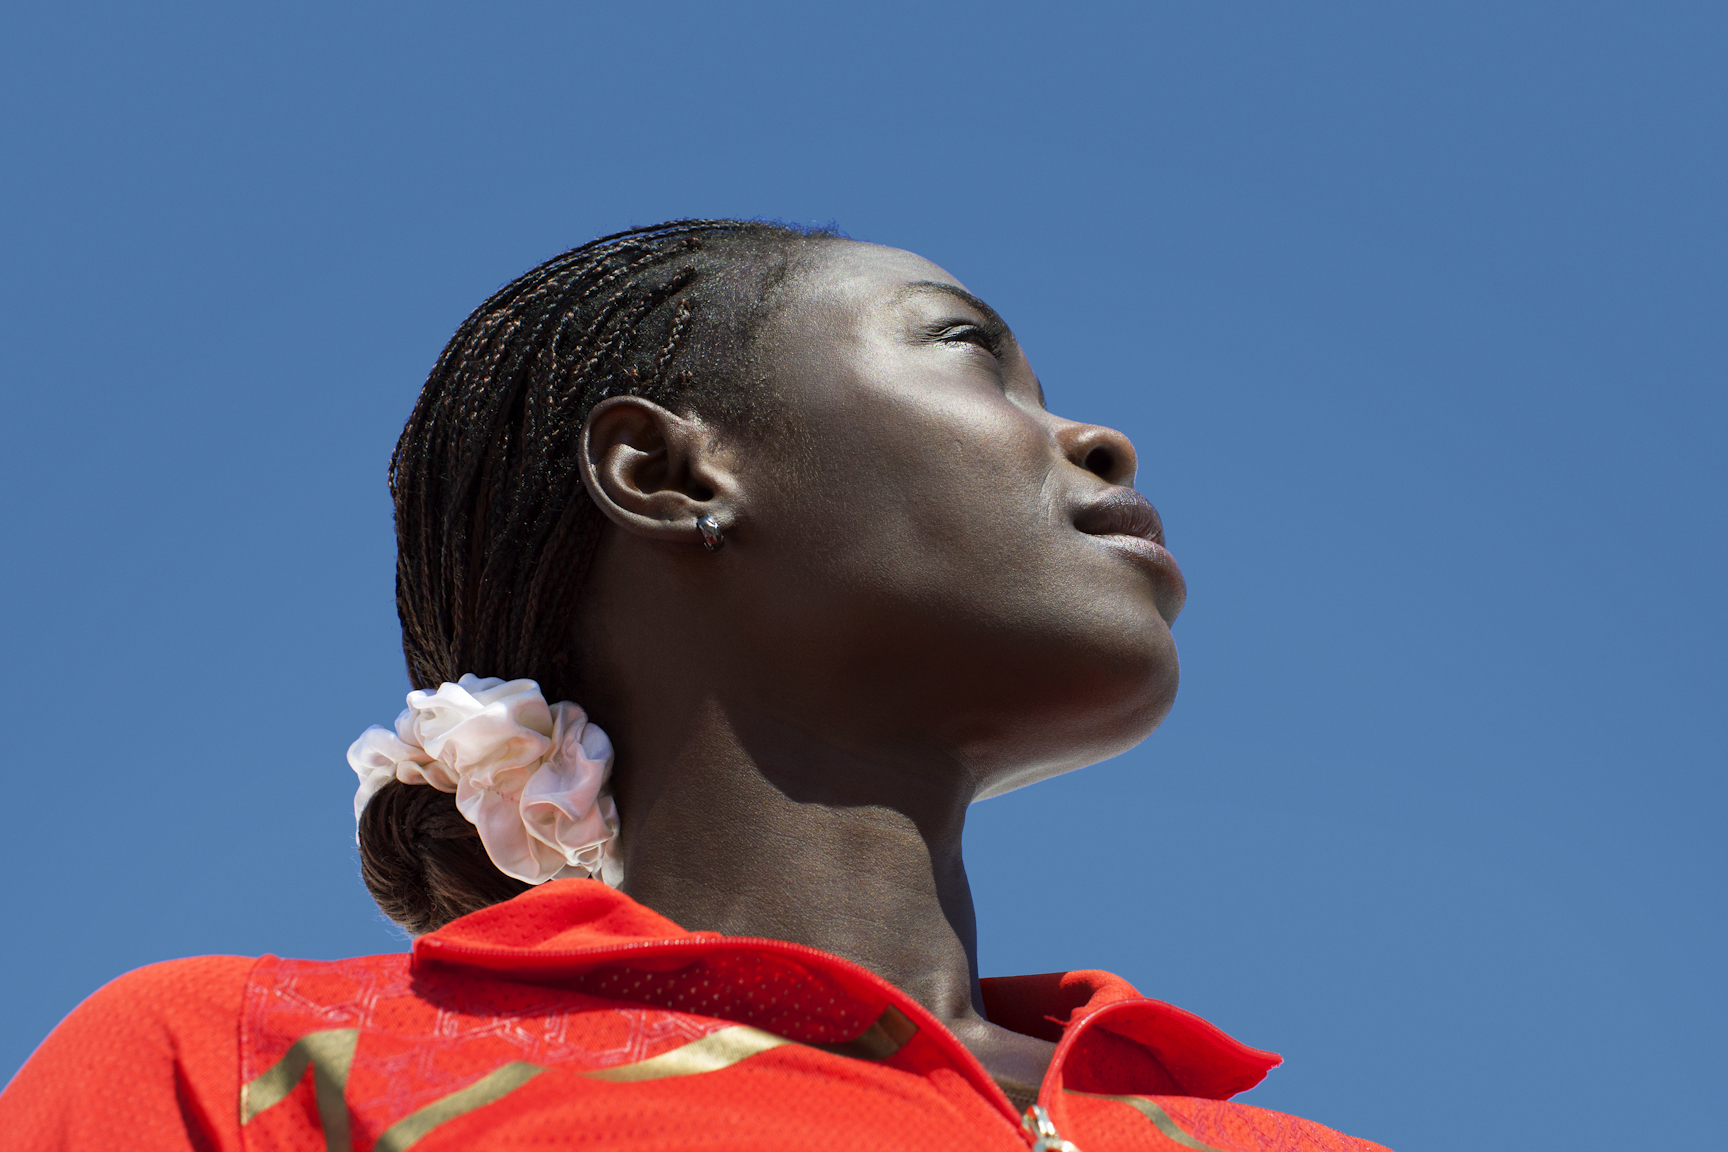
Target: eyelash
(977, 334)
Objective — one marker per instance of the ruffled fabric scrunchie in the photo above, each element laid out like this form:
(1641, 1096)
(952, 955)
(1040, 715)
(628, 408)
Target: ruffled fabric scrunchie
(531, 777)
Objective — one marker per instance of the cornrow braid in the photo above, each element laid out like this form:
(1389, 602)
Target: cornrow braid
(494, 529)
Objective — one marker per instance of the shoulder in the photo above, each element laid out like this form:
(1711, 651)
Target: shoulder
(175, 990)
(179, 1008)
(149, 1061)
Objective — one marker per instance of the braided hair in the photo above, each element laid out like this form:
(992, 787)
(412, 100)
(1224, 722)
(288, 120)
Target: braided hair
(494, 529)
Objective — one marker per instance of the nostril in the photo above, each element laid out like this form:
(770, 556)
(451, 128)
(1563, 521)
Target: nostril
(1099, 462)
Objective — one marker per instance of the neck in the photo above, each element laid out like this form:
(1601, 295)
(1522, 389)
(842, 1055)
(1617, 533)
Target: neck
(739, 823)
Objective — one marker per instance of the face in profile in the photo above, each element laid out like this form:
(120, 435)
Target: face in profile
(927, 551)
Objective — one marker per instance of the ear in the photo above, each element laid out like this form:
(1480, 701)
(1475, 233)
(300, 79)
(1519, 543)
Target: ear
(654, 472)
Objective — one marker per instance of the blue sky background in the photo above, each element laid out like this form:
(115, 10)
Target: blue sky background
(1415, 313)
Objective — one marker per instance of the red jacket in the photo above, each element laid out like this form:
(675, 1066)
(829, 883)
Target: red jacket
(572, 1017)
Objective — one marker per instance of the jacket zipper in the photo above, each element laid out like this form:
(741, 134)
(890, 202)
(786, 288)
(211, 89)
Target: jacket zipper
(1042, 1133)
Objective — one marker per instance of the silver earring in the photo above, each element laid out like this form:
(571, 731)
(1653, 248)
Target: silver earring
(712, 538)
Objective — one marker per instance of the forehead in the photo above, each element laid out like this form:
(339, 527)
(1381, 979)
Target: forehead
(853, 276)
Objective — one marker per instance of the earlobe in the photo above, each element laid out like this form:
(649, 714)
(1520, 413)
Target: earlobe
(656, 473)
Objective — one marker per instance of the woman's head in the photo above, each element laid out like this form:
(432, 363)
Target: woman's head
(494, 530)
(920, 558)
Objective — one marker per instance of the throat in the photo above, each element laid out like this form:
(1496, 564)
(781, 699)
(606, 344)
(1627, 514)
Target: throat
(863, 883)
(1016, 1062)
(775, 835)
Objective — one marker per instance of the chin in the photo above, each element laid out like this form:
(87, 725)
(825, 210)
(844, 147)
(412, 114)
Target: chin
(1097, 712)
(1136, 713)
(1130, 683)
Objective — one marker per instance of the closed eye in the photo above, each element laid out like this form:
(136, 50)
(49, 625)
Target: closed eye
(988, 337)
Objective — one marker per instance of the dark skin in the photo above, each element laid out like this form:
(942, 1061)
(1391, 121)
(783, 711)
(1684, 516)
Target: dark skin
(932, 591)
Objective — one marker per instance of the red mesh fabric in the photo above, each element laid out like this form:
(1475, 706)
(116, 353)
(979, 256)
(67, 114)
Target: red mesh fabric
(559, 916)
(150, 1063)
(565, 932)
(428, 1034)
(1136, 1042)
(789, 1099)
(767, 992)
(1241, 1128)
(573, 978)
(1128, 1044)
(1044, 1005)
(1110, 1064)
(1113, 1126)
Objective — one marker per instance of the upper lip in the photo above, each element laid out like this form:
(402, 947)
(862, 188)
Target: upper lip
(1121, 512)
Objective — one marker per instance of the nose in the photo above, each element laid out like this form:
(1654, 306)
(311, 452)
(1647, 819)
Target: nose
(1104, 452)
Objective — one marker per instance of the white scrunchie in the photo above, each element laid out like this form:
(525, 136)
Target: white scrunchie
(530, 777)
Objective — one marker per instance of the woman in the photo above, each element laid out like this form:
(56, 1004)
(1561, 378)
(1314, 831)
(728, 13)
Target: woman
(787, 517)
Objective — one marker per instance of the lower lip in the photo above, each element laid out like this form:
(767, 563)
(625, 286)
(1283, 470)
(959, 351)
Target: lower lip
(1155, 556)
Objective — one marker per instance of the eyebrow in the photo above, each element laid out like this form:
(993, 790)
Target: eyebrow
(990, 315)
(960, 294)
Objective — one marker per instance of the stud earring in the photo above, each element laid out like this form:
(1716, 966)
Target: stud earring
(712, 538)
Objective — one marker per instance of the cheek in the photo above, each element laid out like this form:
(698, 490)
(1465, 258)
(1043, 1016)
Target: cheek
(931, 495)
(939, 530)
(923, 566)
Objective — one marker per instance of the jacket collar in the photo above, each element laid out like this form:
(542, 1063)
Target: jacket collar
(1110, 1039)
